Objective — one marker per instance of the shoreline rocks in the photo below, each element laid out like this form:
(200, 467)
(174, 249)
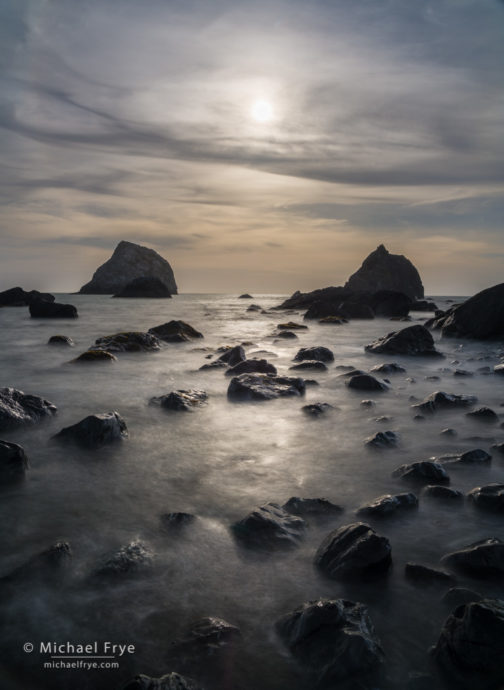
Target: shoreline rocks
(269, 526)
(17, 297)
(181, 400)
(247, 387)
(18, 408)
(95, 430)
(413, 341)
(175, 332)
(130, 341)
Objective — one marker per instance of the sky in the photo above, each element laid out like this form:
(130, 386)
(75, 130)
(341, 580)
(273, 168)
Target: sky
(258, 146)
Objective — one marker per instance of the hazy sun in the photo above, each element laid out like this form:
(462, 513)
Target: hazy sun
(262, 111)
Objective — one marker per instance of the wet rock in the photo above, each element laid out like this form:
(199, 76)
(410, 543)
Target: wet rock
(252, 366)
(95, 356)
(352, 372)
(52, 310)
(499, 369)
(489, 497)
(423, 305)
(18, 408)
(334, 639)
(423, 575)
(175, 332)
(483, 414)
(333, 321)
(255, 307)
(388, 504)
(245, 296)
(411, 341)
(484, 558)
(314, 365)
(145, 286)
(13, 462)
(171, 681)
(311, 507)
(383, 439)
(17, 297)
(286, 335)
(95, 430)
(469, 649)
(320, 354)
(172, 522)
(317, 409)
(292, 326)
(181, 400)
(365, 382)
(232, 356)
(61, 340)
(426, 471)
(462, 373)
(443, 401)
(132, 341)
(456, 596)
(478, 455)
(384, 418)
(448, 432)
(391, 368)
(44, 565)
(264, 387)
(436, 491)
(321, 310)
(353, 550)
(128, 560)
(391, 303)
(269, 526)
(367, 403)
(206, 639)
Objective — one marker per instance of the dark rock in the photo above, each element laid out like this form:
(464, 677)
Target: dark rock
(264, 387)
(292, 326)
(269, 526)
(383, 439)
(456, 596)
(484, 414)
(484, 558)
(61, 340)
(478, 455)
(216, 364)
(499, 369)
(462, 373)
(448, 432)
(175, 521)
(310, 364)
(132, 341)
(311, 507)
(489, 497)
(320, 354)
(390, 303)
(255, 307)
(352, 372)
(499, 447)
(469, 649)
(388, 504)
(13, 461)
(145, 287)
(329, 297)
(366, 382)
(181, 400)
(233, 356)
(252, 366)
(335, 639)
(426, 472)
(17, 297)
(391, 368)
(128, 560)
(383, 418)
(52, 310)
(175, 332)
(245, 296)
(44, 565)
(286, 335)
(317, 409)
(423, 575)
(436, 491)
(129, 261)
(355, 310)
(171, 681)
(442, 401)
(333, 321)
(411, 341)
(423, 305)
(323, 310)
(18, 408)
(206, 639)
(95, 430)
(367, 403)
(95, 356)
(353, 550)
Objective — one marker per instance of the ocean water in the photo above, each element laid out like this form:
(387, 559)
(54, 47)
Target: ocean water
(218, 463)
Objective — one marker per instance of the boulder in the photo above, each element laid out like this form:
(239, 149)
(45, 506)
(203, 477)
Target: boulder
(18, 408)
(365, 382)
(175, 332)
(205, 638)
(317, 409)
(388, 504)
(311, 507)
(94, 356)
(383, 439)
(484, 558)
(414, 341)
(333, 321)
(469, 649)
(426, 472)
(313, 365)
(251, 366)
(131, 341)
(423, 305)
(423, 575)
(232, 356)
(499, 369)
(145, 286)
(286, 335)
(353, 550)
(484, 414)
(17, 297)
(291, 326)
(171, 681)
(13, 461)
(476, 456)
(181, 400)
(269, 526)
(333, 638)
(319, 354)
(245, 296)
(129, 261)
(173, 522)
(480, 317)
(444, 401)
(64, 340)
(489, 497)
(391, 368)
(264, 387)
(95, 430)
(437, 491)
(52, 310)
(44, 565)
(255, 307)
(384, 271)
(128, 560)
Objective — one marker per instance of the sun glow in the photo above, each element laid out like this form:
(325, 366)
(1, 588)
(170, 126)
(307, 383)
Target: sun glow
(262, 111)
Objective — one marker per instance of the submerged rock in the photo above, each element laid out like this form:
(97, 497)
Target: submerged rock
(17, 297)
(255, 307)
(18, 408)
(319, 354)
(383, 439)
(61, 340)
(436, 491)
(172, 522)
(232, 356)
(353, 550)
(333, 321)
(471, 457)
(391, 368)
(252, 366)
(484, 414)
(181, 400)
(412, 341)
(13, 461)
(292, 326)
(484, 558)
(313, 365)
(317, 409)
(128, 560)
(442, 401)
(365, 382)
(311, 507)
(264, 387)
(52, 310)
(426, 471)
(205, 638)
(131, 341)
(146, 287)
(95, 356)
(269, 526)
(95, 430)
(489, 497)
(171, 681)
(388, 504)
(423, 575)
(335, 639)
(286, 335)
(245, 296)
(44, 565)
(175, 332)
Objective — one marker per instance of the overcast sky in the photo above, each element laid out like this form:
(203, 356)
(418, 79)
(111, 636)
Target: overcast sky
(381, 121)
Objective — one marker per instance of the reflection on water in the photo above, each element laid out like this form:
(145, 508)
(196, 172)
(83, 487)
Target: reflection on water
(219, 462)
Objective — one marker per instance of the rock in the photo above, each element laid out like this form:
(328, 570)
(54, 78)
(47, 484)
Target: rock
(365, 382)
(499, 447)
(384, 271)
(367, 403)
(423, 575)
(204, 640)
(317, 409)
(478, 455)
(95, 430)
(323, 310)
(353, 550)
(355, 310)
(330, 296)
(456, 596)
(171, 681)
(181, 400)
(462, 373)
(423, 305)
(269, 526)
(390, 303)
(311, 507)
(499, 369)
(388, 504)
(233, 356)
(17, 297)
(335, 639)
(412, 341)
(264, 387)
(252, 366)
(255, 307)
(44, 565)
(175, 332)
(216, 364)
(489, 497)
(382, 439)
(320, 354)
(52, 310)
(145, 287)
(333, 321)
(61, 340)
(95, 356)
(292, 326)
(484, 558)
(128, 560)
(18, 408)
(435, 491)
(286, 335)
(310, 364)
(391, 368)
(480, 317)
(13, 461)
(426, 472)
(132, 341)
(129, 261)
(352, 372)
(441, 401)
(245, 296)
(469, 649)
(172, 522)
(448, 432)
(484, 414)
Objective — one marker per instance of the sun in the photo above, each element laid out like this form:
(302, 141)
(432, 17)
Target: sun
(262, 111)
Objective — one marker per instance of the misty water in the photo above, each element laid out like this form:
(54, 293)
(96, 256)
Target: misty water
(219, 462)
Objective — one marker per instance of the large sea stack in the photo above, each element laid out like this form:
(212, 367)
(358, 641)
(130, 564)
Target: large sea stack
(129, 261)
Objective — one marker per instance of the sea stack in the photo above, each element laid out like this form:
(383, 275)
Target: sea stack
(128, 262)
(384, 271)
